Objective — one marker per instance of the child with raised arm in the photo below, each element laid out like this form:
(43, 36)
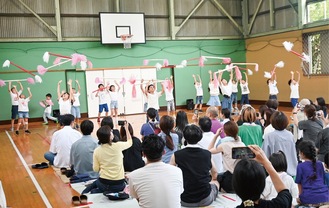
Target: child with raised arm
(102, 96)
(214, 92)
(23, 111)
(273, 89)
(114, 95)
(244, 90)
(226, 87)
(48, 107)
(75, 110)
(14, 102)
(64, 99)
(170, 97)
(294, 87)
(199, 93)
(152, 97)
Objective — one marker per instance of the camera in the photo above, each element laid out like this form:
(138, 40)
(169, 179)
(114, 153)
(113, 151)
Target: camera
(121, 122)
(242, 152)
(318, 113)
(196, 111)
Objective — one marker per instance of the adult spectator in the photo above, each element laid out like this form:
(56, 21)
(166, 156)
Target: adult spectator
(156, 184)
(81, 155)
(107, 120)
(322, 143)
(61, 143)
(320, 104)
(272, 103)
(181, 122)
(196, 164)
(212, 113)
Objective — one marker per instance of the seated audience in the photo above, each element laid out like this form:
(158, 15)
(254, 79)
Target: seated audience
(225, 115)
(107, 120)
(310, 177)
(132, 157)
(196, 164)
(81, 155)
(272, 103)
(151, 126)
(181, 122)
(212, 113)
(61, 143)
(279, 162)
(326, 167)
(249, 182)
(281, 140)
(320, 104)
(108, 161)
(322, 143)
(156, 184)
(233, 140)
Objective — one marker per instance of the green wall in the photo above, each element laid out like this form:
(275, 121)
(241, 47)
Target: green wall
(29, 55)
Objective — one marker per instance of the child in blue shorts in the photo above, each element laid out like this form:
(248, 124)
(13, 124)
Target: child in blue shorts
(23, 111)
(102, 95)
(199, 93)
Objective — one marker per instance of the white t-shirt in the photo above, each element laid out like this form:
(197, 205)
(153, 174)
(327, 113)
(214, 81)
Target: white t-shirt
(102, 96)
(270, 193)
(157, 185)
(234, 87)
(268, 129)
(48, 109)
(228, 162)
(214, 91)
(169, 94)
(273, 88)
(199, 90)
(294, 90)
(13, 96)
(227, 89)
(114, 96)
(153, 100)
(64, 106)
(61, 143)
(244, 88)
(76, 99)
(23, 104)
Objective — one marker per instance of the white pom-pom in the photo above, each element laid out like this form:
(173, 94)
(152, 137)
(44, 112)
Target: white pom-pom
(37, 79)
(158, 66)
(6, 63)
(179, 66)
(183, 63)
(267, 75)
(306, 58)
(83, 65)
(249, 72)
(288, 45)
(46, 57)
(280, 64)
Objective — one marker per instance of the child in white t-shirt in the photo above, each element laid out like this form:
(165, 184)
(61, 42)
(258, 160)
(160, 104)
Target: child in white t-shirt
(199, 93)
(226, 87)
(234, 96)
(244, 91)
(170, 97)
(47, 104)
(294, 87)
(273, 89)
(114, 96)
(64, 100)
(23, 111)
(102, 96)
(214, 92)
(75, 109)
(14, 102)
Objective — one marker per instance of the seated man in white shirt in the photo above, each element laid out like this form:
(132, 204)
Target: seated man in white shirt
(61, 142)
(156, 184)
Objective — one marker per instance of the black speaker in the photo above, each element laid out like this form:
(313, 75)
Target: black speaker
(189, 104)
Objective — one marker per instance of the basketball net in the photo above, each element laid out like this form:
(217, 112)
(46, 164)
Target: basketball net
(126, 39)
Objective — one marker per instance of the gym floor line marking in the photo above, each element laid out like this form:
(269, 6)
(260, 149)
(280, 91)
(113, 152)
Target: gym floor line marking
(35, 182)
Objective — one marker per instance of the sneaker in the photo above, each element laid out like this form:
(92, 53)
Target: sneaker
(45, 123)
(17, 132)
(12, 129)
(98, 120)
(27, 132)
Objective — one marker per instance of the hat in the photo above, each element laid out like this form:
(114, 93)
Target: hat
(304, 102)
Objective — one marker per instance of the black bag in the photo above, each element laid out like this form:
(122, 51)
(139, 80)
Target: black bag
(116, 196)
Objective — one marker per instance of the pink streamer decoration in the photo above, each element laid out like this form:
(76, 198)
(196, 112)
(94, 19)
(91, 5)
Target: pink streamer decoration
(41, 70)
(216, 83)
(2, 83)
(226, 60)
(30, 80)
(123, 81)
(98, 80)
(76, 58)
(132, 81)
(145, 62)
(256, 67)
(238, 74)
(42, 104)
(165, 62)
(90, 65)
(57, 60)
(201, 61)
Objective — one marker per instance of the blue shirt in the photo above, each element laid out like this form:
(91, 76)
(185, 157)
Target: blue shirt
(166, 157)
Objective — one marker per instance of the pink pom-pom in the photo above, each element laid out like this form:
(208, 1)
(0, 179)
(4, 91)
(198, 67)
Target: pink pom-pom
(42, 104)
(132, 80)
(30, 80)
(201, 61)
(216, 83)
(238, 73)
(166, 83)
(256, 67)
(82, 58)
(90, 65)
(49, 102)
(2, 83)
(134, 92)
(57, 60)
(41, 70)
(123, 81)
(165, 62)
(226, 60)
(75, 59)
(145, 62)
(98, 80)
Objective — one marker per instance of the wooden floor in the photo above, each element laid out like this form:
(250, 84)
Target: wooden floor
(18, 184)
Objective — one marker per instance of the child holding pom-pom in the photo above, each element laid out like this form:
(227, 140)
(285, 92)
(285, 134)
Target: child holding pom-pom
(47, 104)
(23, 111)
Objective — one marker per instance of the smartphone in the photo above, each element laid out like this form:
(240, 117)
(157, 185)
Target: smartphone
(196, 111)
(121, 123)
(242, 152)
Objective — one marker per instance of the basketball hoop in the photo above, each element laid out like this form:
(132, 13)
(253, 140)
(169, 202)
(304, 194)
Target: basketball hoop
(126, 39)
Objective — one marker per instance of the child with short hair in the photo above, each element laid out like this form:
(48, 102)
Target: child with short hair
(294, 87)
(102, 93)
(244, 90)
(114, 96)
(170, 97)
(48, 107)
(23, 111)
(199, 93)
(14, 102)
(226, 87)
(273, 89)
(64, 99)
(75, 110)
(280, 165)
(225, 115)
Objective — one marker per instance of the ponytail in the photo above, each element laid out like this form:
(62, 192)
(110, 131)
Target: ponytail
(313, 152)
(169, 141)
(309, 151)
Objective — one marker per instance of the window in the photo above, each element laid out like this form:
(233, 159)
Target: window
(317, 10)
(316, 46)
